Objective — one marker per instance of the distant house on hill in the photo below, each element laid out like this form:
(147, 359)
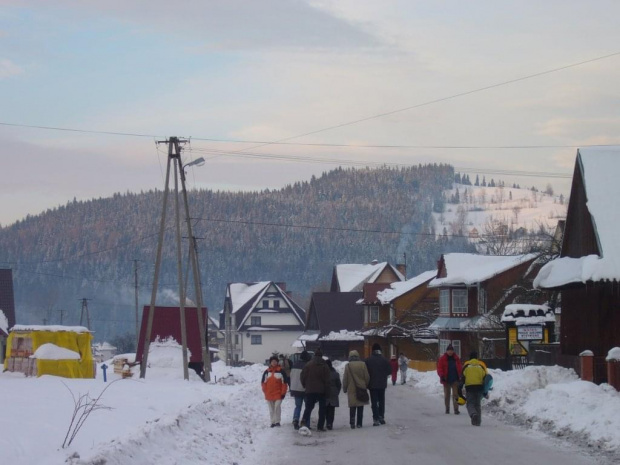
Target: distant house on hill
(7, 308)
(400, 315)
(259, 319)
(103, 351)
(587, 273)
(473, 290)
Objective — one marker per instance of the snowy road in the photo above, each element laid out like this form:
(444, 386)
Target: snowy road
(417, 432)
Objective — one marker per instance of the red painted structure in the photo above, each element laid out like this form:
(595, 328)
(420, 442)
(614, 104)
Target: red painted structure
(167, 323)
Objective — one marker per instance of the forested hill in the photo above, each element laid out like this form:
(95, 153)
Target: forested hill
(86, 249)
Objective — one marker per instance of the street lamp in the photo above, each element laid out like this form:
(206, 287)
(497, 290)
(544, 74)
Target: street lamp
(197, 162)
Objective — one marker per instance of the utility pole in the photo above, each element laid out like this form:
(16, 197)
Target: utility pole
(174, 159)
(135, 277)
(62, 313)
(84, 310)
(228, 333)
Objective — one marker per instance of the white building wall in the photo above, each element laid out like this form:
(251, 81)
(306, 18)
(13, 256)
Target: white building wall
(272, 341)
(268, 319)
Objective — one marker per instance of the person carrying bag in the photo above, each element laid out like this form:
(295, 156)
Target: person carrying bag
(354, 384)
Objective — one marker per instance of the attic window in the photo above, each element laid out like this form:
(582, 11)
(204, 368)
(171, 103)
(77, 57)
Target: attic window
(255, 321)
(276, 304)
(459, 300)
(265, 304)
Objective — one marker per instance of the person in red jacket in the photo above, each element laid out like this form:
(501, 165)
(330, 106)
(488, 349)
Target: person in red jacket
(274, 384)
(449, 369)
(394, 366)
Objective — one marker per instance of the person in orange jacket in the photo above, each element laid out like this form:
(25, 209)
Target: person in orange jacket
(394, 366)
(274, 384)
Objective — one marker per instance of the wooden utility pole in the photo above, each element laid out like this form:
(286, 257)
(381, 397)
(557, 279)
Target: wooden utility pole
(174, 159)
(84, 311)
(135, 277)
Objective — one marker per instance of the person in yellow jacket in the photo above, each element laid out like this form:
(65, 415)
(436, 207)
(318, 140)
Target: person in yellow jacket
(474, 371)
(274, 384)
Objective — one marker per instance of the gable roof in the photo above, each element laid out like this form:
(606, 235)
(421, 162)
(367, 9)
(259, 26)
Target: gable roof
(397, 289)
(351, 277)
(337, 311)
(245, 296)
(468, 269)
(598, 168)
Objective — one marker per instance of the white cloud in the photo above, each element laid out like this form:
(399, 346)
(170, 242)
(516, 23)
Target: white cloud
(9, 69)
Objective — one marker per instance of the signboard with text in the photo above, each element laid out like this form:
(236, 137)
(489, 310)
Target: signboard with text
(530, 333)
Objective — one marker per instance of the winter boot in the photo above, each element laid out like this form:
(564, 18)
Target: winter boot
(296, 424)
(352, 417)
(360, 416)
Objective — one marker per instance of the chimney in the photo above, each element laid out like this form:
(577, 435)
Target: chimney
(402, 268)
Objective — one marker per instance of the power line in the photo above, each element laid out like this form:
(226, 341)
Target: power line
(348, 162)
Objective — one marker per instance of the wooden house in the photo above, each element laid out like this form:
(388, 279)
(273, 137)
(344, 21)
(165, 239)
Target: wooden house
(334, 324)
(587, 272)
(353, 277)
(473, 291)
(398, 316)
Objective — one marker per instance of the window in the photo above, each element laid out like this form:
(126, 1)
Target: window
(374, 314)
(457, 347)
(276, 304)
(482, 300)
(265, 304)
(255, 320)
(444, 302)
(257, 339)
(236, 339)
(459, 300)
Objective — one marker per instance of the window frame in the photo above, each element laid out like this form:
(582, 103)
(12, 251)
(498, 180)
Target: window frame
(254, 319)
(444, 301)
(256, 340)
(371, 310)
(458, 294)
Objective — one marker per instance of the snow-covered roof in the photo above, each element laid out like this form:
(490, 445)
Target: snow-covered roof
(461, 324)
(308, 336)
(352, 276)
(51, 351)
(599, 168)
(527, 314)
(53, 328)
(104, 346)
(402, 287)
(241, 293)
(467, 268)
(4, 323)
(342, 335)
(262, 328)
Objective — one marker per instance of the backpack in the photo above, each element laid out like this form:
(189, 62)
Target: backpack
(474, 374)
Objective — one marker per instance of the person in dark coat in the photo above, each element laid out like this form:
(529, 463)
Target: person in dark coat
(355, 376)
(379, 369)
(297, 390)
(315, 378)
(394, 366)
(449, 370)
(331, 401)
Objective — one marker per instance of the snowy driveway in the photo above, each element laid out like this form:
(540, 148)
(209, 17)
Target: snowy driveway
(417, 432)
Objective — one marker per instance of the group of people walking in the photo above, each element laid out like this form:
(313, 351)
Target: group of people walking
(313, 380)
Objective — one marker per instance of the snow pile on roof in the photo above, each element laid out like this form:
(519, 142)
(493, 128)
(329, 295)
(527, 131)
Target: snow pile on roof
(600, 167)
(351, 277)
(402, 287)
(51, 351)
(4, 323)
(308, 337)
(342, 335)
(527, 314)
(467, 268)
(613, 354)
(53, 328)
(104, 346)
(241, 293)
(262, 328)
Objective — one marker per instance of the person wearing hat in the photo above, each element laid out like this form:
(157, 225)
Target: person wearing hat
(297, 390)
(379, 369)
(355, 376)
(394, 366)
(274, 387)
(449, 369)
(474, 371)
(315, 378)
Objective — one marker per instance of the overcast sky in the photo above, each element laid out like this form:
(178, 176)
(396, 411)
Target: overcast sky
(270, 70)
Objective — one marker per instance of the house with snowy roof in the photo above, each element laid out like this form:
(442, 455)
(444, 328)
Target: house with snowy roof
(103, 351)
(473, 291)
(259, 319)
(587, 272)
(399, 317)
(334, 324)
(352, 277)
